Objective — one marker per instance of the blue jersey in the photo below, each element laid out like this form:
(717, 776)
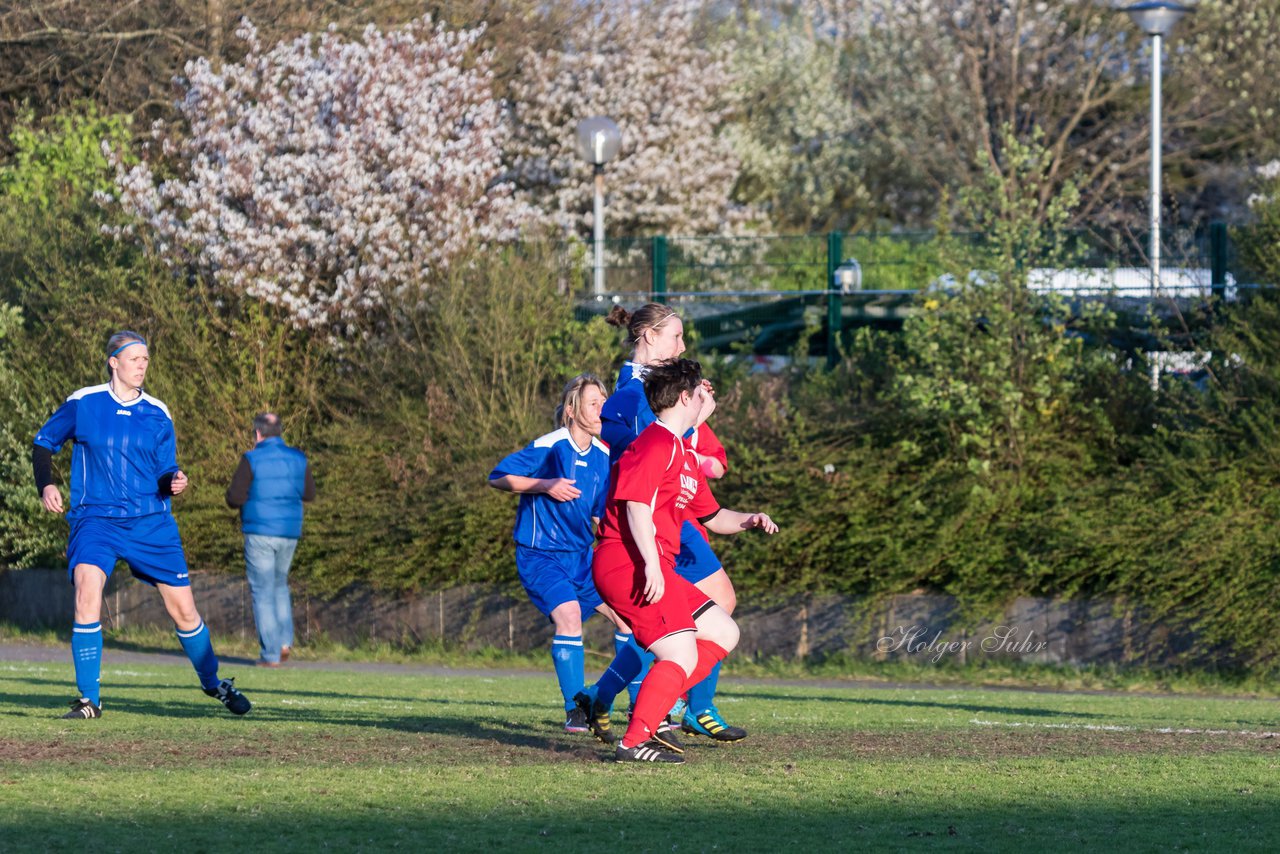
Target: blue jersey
(121, 450)
(541, 521)
(626, 412)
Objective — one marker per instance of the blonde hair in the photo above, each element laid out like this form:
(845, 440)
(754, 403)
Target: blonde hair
(573, 396)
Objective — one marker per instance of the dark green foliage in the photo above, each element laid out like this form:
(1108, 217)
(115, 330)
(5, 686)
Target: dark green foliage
(1059, 474)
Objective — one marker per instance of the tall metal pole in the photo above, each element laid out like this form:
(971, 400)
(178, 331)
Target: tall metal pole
(1155, 163)
(598, 229)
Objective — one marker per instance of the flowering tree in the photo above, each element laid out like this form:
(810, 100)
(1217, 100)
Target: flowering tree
(321, 173)
(1259, 241)
(646, 66)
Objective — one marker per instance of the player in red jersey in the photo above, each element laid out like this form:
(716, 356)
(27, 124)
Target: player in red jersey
(656, 485)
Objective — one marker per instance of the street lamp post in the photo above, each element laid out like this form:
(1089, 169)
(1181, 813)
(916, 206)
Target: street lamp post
(1157, 19)
(598, 139)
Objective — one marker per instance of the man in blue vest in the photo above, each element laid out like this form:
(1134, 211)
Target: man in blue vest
(269, 487)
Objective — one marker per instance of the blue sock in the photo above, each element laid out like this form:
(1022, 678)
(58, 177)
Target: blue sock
(569, 659)
(86, 653)
(703, 695)
(626, 663)
(646, 659)
(199, 648)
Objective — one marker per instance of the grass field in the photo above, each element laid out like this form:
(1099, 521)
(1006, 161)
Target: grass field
(346, 760)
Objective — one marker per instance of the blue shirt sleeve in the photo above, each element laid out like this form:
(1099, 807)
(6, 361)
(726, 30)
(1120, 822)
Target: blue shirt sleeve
(529, 461)
(60, 427)
(623, 416)
(166, 450)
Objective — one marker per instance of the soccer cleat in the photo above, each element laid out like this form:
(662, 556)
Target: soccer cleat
(666, 736)
(650, 751)
(575, 720)
(83, 708)
(710, 724)
(596, 717)
(227, 694)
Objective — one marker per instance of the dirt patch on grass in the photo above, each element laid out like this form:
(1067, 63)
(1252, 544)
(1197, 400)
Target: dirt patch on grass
(981, 743)
(270, 748)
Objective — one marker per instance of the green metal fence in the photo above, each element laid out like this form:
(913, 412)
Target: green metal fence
(898, 261)
(765, 289)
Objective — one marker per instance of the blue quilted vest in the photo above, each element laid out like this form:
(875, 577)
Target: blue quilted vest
(274, 508)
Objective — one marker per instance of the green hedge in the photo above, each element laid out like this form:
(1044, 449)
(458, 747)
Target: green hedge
(907, 467)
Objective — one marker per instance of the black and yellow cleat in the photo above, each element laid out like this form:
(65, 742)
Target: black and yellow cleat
(710, 724)
(666, 736)
(597, 717)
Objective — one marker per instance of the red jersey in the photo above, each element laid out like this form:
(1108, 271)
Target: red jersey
(657, 469)
(705, 442)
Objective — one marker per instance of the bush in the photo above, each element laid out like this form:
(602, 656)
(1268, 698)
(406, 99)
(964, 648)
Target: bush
(1045, 477)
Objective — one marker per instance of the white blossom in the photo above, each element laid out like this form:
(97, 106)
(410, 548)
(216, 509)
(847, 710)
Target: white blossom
(646, 66)
(320, 174)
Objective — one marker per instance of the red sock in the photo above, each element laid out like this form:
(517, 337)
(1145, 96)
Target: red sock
(657, 695)
(709, 655)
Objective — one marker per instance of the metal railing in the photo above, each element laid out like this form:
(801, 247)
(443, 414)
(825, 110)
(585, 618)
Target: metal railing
(726, 283)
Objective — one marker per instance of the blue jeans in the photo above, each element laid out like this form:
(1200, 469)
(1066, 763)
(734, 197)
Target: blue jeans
(266, 562)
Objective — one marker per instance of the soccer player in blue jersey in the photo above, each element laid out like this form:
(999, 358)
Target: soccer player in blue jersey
(124, 469)
(656, 333)
(562, 479)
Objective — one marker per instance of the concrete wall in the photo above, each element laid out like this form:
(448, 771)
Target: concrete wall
(922, 628)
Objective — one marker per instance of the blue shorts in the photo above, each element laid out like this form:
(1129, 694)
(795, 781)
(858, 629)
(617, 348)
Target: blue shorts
(553, 578)
(696, 560)
(149, 544)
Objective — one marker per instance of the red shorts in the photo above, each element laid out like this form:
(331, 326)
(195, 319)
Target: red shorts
(619, 575)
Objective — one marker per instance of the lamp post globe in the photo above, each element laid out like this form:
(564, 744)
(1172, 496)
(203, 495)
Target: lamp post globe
(1156, 17)
(597, 139)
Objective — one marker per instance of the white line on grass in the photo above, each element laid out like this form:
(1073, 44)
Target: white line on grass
(35, 668)
(1119, 728)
